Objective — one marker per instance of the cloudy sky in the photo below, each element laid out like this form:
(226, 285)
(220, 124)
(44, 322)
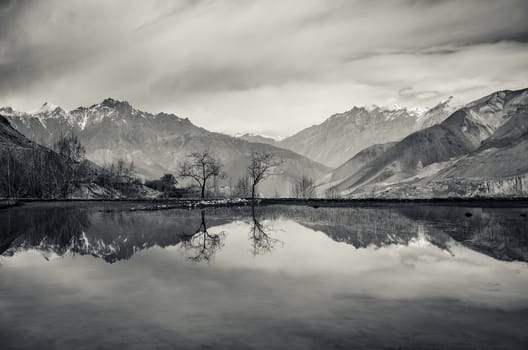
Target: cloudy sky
(271, 67)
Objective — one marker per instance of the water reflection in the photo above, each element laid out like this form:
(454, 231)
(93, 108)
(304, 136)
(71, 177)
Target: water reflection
(113, 236)
(408, 277)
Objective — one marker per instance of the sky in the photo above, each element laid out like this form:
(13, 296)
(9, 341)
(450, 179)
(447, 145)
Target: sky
(270, 67)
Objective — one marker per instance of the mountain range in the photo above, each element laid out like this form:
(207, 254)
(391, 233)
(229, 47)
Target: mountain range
(157, 143)
(342, 135)
(479, 150)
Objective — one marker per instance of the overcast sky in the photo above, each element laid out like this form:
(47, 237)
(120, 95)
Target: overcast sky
(270, 67)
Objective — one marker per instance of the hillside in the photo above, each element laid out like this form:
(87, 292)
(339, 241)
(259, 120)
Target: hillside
(362, 158)
(28, 169)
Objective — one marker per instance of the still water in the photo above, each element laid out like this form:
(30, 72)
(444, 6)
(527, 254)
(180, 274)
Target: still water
(394, 276)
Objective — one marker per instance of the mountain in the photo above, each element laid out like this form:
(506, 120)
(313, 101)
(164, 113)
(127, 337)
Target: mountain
(258, 139)
(481, 149)
(343, 135)
(157, 143)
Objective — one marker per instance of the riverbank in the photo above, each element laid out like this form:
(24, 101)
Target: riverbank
(187, 204)
(166, 204)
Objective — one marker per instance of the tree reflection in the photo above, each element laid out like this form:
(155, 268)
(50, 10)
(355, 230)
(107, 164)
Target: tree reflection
(203, 245)
(261, 241)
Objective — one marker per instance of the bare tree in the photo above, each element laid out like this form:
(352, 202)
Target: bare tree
(303, 188)
(73, 155)
(260, 167)
(201, 167)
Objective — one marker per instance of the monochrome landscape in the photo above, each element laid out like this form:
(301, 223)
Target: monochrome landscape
(264, 175)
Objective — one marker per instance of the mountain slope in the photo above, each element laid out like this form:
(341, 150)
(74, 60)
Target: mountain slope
(498, 167)
(483, 141)
(157, 143)
(28, 169)
(362, 158)
(342, 135)
(9, 137)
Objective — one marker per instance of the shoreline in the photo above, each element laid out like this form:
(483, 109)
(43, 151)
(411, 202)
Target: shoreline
(179, 203)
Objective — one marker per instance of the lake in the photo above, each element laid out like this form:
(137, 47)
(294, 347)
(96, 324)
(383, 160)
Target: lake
(379, 276)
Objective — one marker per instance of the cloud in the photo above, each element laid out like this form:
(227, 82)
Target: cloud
(250, 64)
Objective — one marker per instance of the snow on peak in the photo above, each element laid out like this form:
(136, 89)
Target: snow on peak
(48, 109)
(420, 111)
(371, 108)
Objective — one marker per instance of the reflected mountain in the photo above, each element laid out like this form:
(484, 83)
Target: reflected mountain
(359, 227)
(113, 236)
(501, 233)
(497, 232)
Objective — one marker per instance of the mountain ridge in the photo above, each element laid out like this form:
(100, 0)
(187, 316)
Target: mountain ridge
(157, 143)
(484, 141)
(343, 135)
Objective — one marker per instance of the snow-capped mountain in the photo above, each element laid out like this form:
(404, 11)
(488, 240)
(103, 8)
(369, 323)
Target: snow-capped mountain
(157, 143)
(81, 117)
(343, 135)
